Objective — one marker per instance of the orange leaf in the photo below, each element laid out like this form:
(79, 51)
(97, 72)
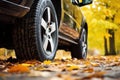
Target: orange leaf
(19, 69)
(89, 70)
(87, 63)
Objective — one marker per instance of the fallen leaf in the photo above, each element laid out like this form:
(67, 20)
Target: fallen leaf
(95, 75)
(39, 68)
(47, 62)
(73, 67)
(87, 63)
(27, 65)
(19, 69)
(89, 70)
(95, 64)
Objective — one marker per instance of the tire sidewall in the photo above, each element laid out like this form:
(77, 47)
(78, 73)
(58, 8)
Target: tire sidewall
(42, 4)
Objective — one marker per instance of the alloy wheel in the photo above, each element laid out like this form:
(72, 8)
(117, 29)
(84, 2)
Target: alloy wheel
(48, 31)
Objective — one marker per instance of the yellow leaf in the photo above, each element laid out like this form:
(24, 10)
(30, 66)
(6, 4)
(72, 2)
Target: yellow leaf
(39, 68)
(27, 65)
(87, 63)
(73, 67)
(47, 62)
(95, 64)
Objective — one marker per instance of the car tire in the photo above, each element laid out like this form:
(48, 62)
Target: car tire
(79, 51)
(36, 34)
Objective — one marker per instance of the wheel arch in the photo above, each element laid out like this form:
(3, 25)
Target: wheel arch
(86, 27)
(29, 3)
(84, 24)
(57, 5)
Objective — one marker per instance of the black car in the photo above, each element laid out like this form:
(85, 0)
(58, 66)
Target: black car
(43, 26)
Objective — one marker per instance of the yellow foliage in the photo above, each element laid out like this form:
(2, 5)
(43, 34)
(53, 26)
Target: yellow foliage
(102, 15)
(117, 18)
(107, 35)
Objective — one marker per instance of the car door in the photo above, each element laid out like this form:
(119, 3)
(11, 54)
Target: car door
(71, 20)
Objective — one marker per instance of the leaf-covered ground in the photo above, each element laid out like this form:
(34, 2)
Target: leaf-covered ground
(93, 68)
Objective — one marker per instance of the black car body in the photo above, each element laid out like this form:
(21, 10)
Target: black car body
(39, 25)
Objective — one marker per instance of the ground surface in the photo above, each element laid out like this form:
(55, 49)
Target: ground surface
(62, 68)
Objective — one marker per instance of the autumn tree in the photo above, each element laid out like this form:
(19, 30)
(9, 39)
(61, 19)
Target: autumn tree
(105, 16)
(111, 15)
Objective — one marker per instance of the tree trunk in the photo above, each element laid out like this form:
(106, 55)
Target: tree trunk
(111, 42)
(105, 46)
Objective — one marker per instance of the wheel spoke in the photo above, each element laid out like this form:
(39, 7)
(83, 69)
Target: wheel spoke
(84, 48)
(84, 39)
(49, 14)
(51, 43)
(45, 43)
(84, 45)
(44, 24)
(84, 53)
(53, 27)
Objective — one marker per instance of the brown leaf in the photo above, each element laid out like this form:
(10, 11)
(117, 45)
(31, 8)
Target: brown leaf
(96, 75)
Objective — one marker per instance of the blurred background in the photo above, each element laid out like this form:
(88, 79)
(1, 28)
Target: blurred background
(103, 18)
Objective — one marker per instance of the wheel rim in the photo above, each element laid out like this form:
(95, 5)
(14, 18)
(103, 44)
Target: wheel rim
(48, 31)
(84, 44)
